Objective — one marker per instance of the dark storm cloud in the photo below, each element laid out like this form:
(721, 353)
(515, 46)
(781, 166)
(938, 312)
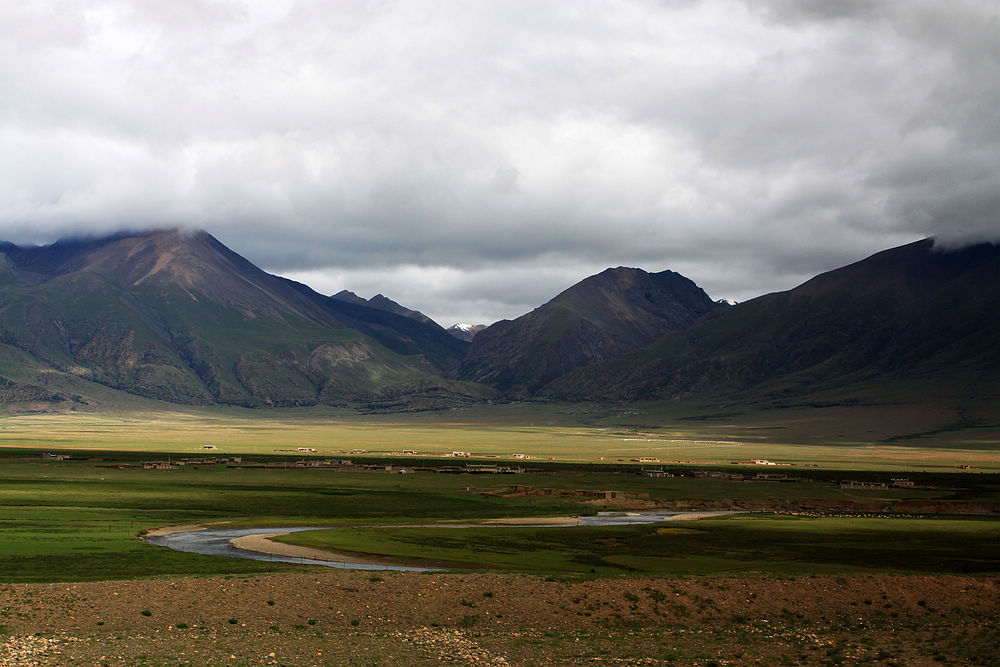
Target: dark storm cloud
(473, 159)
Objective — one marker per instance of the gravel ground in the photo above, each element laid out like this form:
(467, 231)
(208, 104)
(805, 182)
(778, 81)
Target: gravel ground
(26, 651)
(344, 618)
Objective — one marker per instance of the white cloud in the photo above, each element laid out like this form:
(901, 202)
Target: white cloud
(747, 145)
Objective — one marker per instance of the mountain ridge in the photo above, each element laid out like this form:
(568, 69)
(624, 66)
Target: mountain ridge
(603, 316)
(382, 302)
(178, 316)
(911, 314)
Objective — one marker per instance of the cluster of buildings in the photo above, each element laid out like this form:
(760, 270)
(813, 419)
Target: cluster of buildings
(173, 464)
(895, 483)
(869, 486)
(525, 490)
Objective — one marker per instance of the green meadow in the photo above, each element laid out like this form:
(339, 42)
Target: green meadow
(733, 544)
(79, 520)
(66, 521)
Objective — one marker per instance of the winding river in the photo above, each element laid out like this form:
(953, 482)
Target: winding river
(219, 541)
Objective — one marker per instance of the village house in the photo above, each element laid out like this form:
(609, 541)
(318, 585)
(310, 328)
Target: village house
(863, 486)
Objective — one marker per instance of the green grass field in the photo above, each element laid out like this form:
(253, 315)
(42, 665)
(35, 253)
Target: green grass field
(76, 521)
(73, 520)
(734, 544)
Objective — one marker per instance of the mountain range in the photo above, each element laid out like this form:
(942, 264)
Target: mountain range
(178, 317)
(910, 322)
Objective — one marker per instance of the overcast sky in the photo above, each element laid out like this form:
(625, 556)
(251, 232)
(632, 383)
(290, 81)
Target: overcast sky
(473, 159)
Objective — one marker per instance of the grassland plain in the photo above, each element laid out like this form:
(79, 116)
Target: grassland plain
(75, 522)
(839, 440)
(782, 545)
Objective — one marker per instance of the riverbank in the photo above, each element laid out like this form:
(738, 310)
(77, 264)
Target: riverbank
(164, 531)
(262, 543)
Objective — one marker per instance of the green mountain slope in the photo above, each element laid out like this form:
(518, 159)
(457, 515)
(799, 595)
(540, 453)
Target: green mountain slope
(179, 317)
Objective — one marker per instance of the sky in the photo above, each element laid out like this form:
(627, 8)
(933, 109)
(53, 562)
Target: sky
(473, 159)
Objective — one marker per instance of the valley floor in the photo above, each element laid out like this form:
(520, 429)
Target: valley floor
(327, 617)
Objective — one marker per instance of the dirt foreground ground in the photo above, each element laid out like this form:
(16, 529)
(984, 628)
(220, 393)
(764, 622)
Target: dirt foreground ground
(331, 617)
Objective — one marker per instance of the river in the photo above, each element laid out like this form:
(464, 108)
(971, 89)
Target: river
(218, 541)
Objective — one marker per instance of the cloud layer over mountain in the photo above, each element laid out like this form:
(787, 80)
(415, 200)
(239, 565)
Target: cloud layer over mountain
(472, 159)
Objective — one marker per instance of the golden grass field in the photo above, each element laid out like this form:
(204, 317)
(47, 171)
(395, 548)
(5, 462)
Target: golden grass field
(541, 434)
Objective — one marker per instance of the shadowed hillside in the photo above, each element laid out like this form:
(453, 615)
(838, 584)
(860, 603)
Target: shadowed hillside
(911, 323)
(602, 317)
(382, 302)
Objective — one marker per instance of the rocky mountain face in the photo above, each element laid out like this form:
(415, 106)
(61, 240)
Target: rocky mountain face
(180, 317)
(913, 320)
(601, 317)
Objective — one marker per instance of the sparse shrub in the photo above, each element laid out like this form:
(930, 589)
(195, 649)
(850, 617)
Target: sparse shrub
(488, 594)
(355, 622)
(270, 603)
(468, 603)
(375, 578)
(182, 626)
(311, 621)
(233, 621)
(656, 595)
(146, 612)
